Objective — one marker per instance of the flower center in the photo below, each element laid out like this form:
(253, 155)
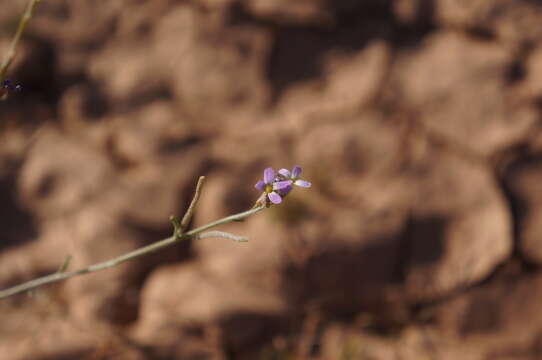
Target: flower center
(268, 188)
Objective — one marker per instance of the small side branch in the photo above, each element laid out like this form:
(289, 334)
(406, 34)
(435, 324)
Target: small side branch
(190, 212)
(65, 264)
(222, 234)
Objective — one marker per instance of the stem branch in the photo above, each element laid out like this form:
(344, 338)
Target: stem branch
(48, 279)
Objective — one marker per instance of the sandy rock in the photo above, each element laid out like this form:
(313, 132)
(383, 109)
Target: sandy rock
(511, 21)
(494, 320)
(60, 173)
(391, 107)
(211, 69)
(299, 13)
(369, 147)
(40, 327)
(71, 22)
(348, 83)
(523, 181)
(413, 11)
(338, 340)
(466, 102)
(182, 296)
(351, 227)
(153, 130)
(79, 104)
(533, 81)
(128, 76)
(459, 230)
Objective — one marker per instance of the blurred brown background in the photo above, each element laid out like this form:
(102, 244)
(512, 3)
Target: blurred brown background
(417, 121)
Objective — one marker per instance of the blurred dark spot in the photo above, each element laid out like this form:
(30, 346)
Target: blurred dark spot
(353, 155)
(297, 53)
(46, 185)
(69, 355)
(515, 72)
(54, 10)
(291, 212)
(348, 280)
(244, 332)
(95, 103)
(174, 145)
(527, 351)
(38, 72)
(482, 315)
(482, 34)
(18, 225)
(426, 238)
(518, 202)
(145, 95)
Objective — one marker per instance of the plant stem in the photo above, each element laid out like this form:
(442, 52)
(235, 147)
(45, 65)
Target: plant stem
(222, 234)
(12, 50)
(48, 279)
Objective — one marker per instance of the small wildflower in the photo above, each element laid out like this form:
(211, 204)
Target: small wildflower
(285, 191)
(275, 186)
(7, 87)
(285, 174)
(272, 186)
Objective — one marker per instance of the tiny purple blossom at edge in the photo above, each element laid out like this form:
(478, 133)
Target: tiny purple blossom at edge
(294, 175)
(285, 173)
(296, 171)
(302, 183)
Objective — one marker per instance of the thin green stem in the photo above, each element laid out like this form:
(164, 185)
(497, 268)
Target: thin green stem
(12, 50)
(48, 279)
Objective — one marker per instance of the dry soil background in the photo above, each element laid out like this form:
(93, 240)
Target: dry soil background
(418, 122)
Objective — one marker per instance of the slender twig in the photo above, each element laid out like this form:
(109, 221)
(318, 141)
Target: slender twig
(222, 234)
(188, 215)
(65, 264)
(32, 284)
(12, 50)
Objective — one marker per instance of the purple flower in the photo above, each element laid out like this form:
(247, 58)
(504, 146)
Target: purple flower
(8, 85)
(274, 187)
(285, 191)
(294, 176)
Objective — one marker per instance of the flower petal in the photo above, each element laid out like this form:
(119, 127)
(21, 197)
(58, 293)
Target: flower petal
(260, 185)
(285, 191)
(274, 197)
(303, 183)
(282, 184)
(296, 171)
(285, 173)
(269, 176)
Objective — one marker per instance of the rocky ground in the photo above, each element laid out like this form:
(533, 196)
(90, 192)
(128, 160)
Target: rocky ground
(417, 121)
